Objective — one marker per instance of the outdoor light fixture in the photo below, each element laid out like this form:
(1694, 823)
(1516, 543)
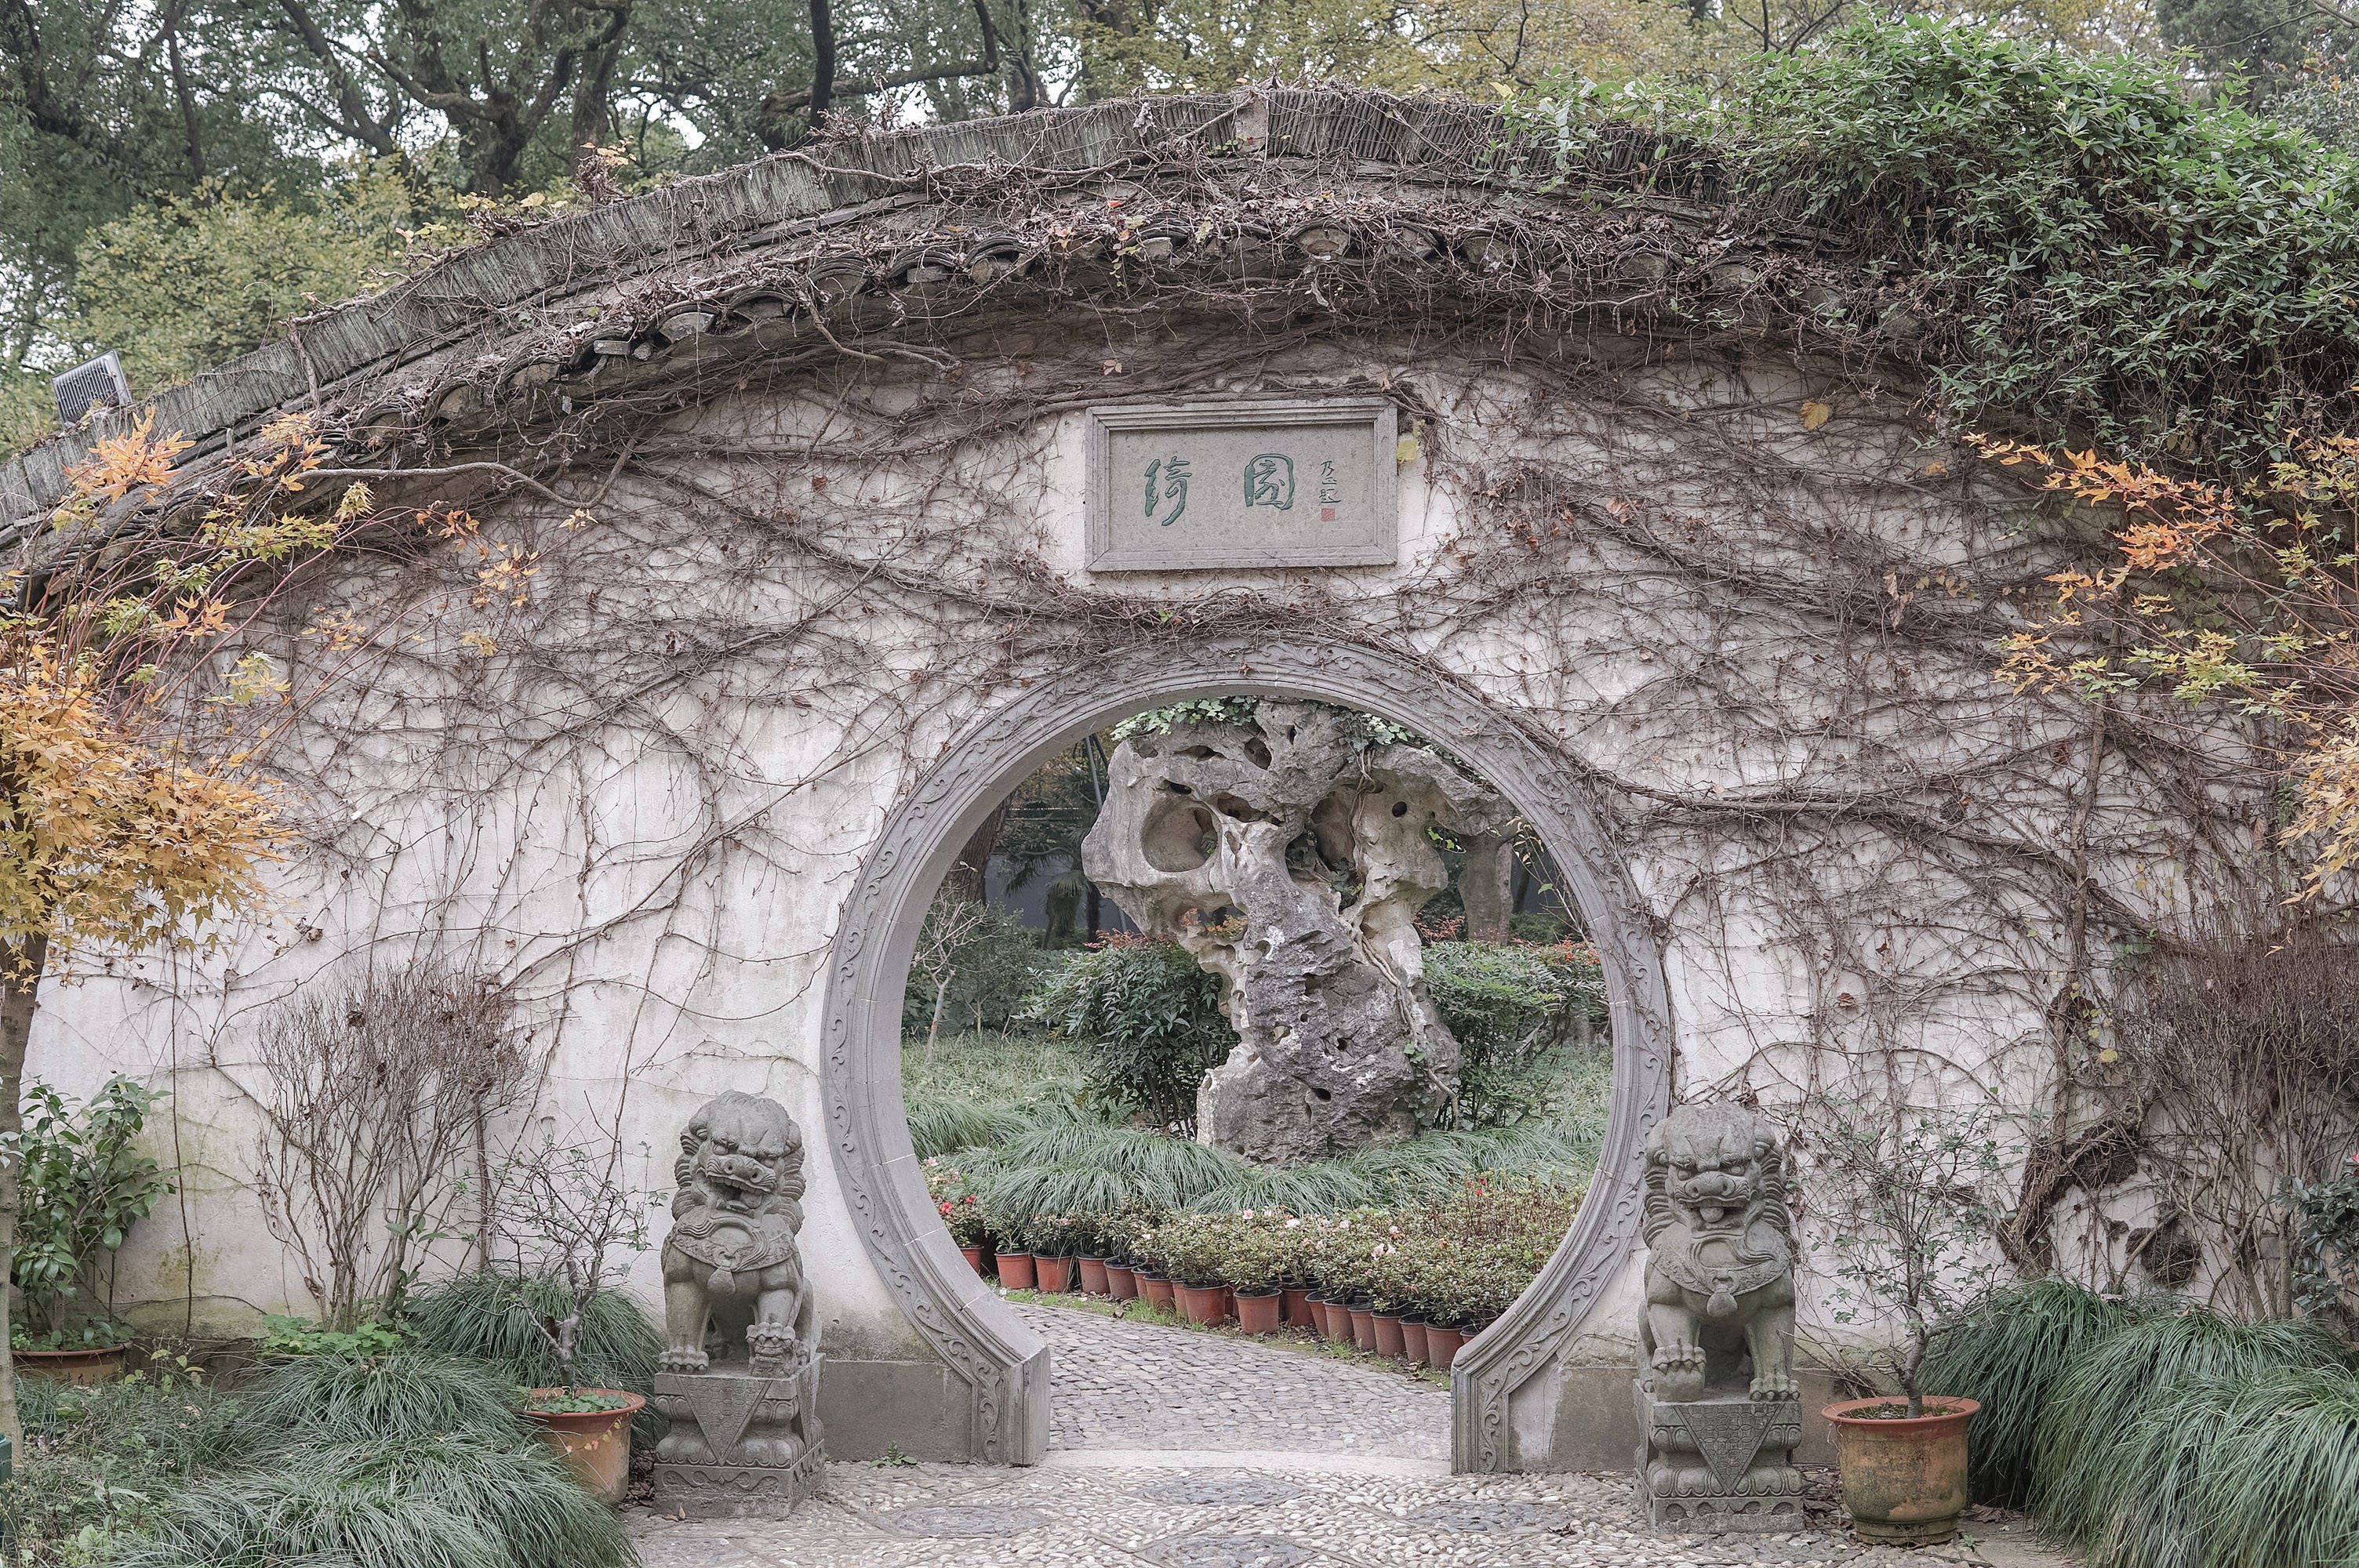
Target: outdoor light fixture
(98, 385)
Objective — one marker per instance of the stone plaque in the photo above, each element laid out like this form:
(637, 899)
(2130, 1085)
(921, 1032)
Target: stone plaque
(1299, 482)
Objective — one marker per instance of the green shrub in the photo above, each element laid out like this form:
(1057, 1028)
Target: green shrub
(1508, 1006)
(1544, 926)
(83, 1185)
(2071, 237)
(1149, 1018)
(483, 1315)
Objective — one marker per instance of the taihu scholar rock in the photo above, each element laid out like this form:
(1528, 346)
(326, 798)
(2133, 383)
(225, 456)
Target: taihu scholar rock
(1291, 856)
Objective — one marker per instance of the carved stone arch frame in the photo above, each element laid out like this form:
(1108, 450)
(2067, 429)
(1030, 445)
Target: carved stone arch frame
(1003, 1363)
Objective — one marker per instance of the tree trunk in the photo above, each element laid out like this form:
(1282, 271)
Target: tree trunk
(942, 995)
(20, 978)
(823, 87)
(966, 879)
(1483, 886)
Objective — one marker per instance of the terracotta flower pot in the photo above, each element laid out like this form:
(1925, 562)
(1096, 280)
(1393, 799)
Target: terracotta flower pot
(1093, 1275)
(1159, 1293)
(1364, 1325)
(1387, 1326)
(594, 1444)
(102, 1366)
(1335, 1321)
(973, 1258)
(1413, 1341)
(1203, 1303)
(1441, 1345)
(1904, 1480)
(1258, 1313)
(1121, 1283)
(1055, 1274)
(1299, 1313)
(1016, 1271)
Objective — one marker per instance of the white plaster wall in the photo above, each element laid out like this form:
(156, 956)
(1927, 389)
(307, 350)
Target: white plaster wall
(658, 884)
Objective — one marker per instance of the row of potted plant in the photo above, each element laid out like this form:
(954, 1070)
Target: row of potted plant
(1453, 1264)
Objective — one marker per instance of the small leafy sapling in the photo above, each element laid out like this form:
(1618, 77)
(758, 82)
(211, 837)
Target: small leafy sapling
(2324, 1265)
(1908, 1198)
(567, 1215)
(83, 1183)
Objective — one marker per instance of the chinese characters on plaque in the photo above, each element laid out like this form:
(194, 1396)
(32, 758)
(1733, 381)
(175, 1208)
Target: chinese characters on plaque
(1303, 482)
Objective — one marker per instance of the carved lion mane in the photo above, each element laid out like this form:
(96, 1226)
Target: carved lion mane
(731, 1264)
(1717, 1168)
(741, 1156)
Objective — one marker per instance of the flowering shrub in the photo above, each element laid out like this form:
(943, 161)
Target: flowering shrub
(962, 1211)
(1188, 1249)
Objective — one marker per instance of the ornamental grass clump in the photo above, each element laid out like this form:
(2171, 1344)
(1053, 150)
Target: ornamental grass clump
(2010, 1355)
(457, 1499)
(2105, 1437)
(408, 1460)
(364, 1398)
(476, 1315)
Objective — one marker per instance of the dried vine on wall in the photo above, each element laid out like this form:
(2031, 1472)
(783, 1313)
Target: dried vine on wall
(1707, 547)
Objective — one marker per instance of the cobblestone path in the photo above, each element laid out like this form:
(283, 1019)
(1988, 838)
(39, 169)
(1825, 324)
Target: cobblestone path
(1174, 1449)
(1120, 1385)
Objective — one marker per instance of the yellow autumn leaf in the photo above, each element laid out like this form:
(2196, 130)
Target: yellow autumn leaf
(1815, 414)
(1405, 450)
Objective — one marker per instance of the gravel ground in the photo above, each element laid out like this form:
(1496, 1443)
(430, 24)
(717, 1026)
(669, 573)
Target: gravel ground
(1177, 1449)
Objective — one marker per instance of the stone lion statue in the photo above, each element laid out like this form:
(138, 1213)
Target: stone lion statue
(731, 1266)
(1720, 1274)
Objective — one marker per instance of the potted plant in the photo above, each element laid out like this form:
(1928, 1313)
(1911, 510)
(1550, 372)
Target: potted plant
(1193, 1252)
(1052, 1253)
(1087, 1237)
(1015, 1256)
(1905, 1196)
(960, 1210)
(1256, 1255)
(80, 1187)
(566, 1212)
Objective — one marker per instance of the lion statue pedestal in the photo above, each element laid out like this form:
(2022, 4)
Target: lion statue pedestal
(741, 1364)
(1717, 1402)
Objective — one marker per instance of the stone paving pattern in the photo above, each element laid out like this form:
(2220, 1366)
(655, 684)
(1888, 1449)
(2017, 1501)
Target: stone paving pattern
(1118, 1384)
(1177, 1449)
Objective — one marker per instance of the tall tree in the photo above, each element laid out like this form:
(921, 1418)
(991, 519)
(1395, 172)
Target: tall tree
(134, 718)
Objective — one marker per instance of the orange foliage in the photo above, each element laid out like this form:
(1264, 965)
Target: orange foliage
(2247, 596)
(106, 834)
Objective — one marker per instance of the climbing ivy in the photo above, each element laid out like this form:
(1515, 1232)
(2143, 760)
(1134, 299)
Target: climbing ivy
(2075, 244)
